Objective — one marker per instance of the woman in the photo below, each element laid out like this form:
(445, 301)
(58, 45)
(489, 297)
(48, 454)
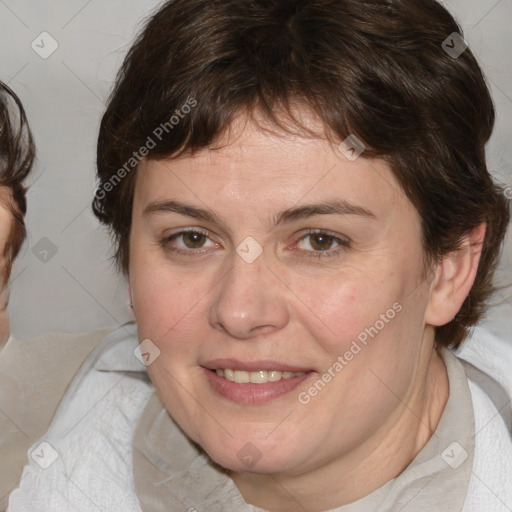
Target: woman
(300, 202)
(16, 158)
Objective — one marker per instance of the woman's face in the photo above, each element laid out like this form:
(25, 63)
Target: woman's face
(271, 255)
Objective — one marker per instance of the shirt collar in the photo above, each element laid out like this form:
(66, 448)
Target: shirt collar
(120, 350)
(170, 471)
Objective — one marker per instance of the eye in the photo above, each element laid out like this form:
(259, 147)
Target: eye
(188, 242)
(321, 243)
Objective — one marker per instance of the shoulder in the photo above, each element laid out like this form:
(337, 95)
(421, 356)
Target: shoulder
(113, 371)
(89, 440)
(34, 374)
(487, 360)
(51, 349)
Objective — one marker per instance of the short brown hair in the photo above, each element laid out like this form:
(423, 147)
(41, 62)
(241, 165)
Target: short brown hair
(16, 158)
(373, 68)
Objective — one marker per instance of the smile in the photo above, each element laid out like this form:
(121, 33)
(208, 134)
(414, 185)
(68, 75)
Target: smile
(257, 377)
(254, 386)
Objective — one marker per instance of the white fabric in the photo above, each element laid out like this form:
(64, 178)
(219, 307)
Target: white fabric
(490, 487)
(92, 432)
(94, 426)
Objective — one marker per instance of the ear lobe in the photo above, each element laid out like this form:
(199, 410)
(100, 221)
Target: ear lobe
(454, 277)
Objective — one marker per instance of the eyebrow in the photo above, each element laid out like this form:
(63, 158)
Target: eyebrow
(333, 207)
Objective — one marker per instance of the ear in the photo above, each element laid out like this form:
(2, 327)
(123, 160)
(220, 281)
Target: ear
(453, 280)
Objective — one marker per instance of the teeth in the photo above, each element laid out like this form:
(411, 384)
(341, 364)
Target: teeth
(259, 377)
(274, 376)
(241, 377)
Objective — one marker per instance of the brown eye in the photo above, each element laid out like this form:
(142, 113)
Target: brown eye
(193, 239)
(321, 244)
(190, 242)
(321, 241)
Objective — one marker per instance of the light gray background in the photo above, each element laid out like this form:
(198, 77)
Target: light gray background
(77, 289)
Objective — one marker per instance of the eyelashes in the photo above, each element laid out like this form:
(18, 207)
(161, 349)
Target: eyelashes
(196, 242)
(319, 238)
(192, 235)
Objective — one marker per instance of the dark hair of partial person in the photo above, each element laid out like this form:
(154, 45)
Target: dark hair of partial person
(16, 158)
(373, 68)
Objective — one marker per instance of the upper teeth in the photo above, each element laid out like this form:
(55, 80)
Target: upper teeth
(259, 377)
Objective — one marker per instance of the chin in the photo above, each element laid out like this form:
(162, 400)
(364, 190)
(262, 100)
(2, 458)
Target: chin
(247, 456)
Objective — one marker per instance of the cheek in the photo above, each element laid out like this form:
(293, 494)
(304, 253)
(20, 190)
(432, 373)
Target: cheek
(168, 306)
(163, 304)
(339, 308)
(155, 296)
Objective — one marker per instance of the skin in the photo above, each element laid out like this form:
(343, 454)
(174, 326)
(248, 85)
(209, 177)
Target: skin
(294, 307)
(6, 221)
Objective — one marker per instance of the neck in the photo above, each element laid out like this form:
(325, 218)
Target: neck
(366, 468)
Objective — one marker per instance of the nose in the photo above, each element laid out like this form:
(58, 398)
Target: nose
(249, 301)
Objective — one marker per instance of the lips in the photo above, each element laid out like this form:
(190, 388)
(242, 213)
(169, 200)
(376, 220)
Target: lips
(253, 382)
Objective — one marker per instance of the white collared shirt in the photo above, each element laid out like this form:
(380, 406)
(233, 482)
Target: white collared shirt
(115, 448)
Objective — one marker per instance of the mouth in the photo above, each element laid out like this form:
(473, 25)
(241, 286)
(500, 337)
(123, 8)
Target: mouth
(253, 383)
(257, 377)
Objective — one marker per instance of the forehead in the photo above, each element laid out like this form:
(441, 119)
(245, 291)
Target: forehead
(258, 169)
